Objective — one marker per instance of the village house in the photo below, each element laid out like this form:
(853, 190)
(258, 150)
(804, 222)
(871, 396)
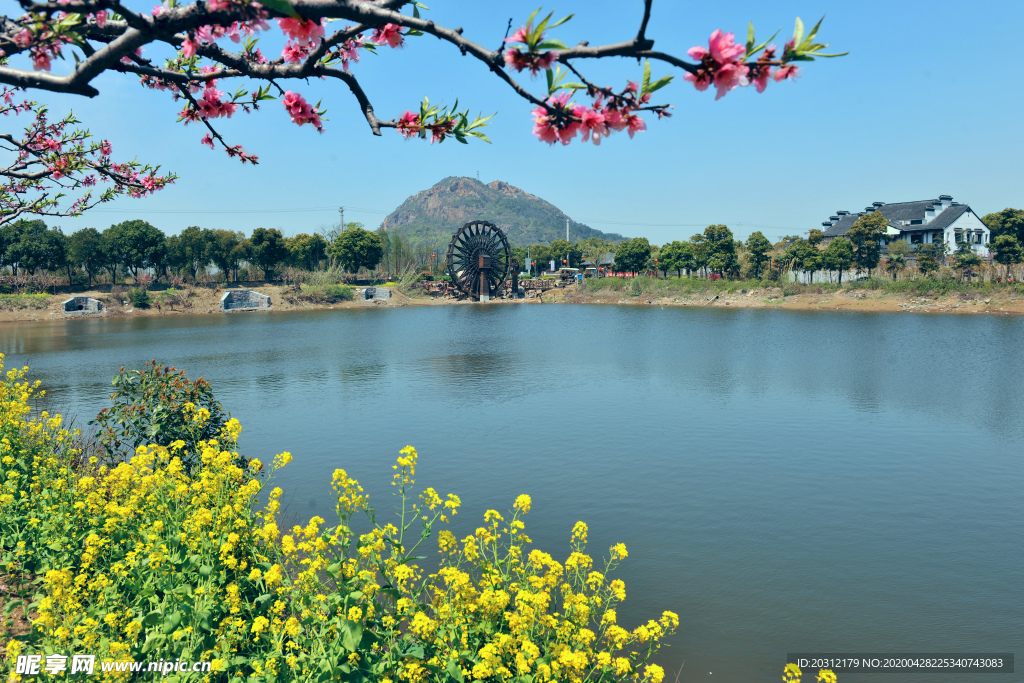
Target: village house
(921, 222)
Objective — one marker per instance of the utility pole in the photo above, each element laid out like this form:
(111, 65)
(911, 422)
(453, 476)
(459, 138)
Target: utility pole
(341, 219)
(567, 239)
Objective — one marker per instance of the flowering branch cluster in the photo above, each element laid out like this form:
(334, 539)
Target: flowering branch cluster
(727, 65)
(559, 119)
(441, 122)
(104, 35)
(53, 159)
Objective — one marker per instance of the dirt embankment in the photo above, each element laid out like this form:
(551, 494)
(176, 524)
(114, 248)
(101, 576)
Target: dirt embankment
(206, 301)
(865, 301)
(197, 301)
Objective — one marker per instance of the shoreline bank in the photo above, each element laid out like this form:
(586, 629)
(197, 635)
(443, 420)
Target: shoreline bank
(283, 299)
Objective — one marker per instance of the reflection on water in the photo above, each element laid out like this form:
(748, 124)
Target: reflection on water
(784, 481)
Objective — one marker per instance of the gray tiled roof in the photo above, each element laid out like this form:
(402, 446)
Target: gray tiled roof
(843, 225)
(940, 222)
(904, 211)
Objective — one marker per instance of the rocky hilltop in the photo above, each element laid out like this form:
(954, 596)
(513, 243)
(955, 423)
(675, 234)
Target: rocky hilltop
(433, 215)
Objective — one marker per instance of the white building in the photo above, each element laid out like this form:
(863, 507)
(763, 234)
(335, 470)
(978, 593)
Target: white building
(921, 222)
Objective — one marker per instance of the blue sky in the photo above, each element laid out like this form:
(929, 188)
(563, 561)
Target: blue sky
(927, 102)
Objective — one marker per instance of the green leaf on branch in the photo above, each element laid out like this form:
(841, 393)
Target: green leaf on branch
(646, 86)
(552, 44)
(281, 6)
(805, 49)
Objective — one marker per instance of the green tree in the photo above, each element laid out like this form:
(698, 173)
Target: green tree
(1006, 222)
(227, 251)
(137, 245)
(796, 252)
(965, 260)
(26, 246)
(674, 256)
(722, 257)
(803, 256)
(110, 255)
(562, 250)
(633, 256)
(940, 250)
(594, 248)
(758, 247)
(356, 248)
(838, 256)
(306, 251)
(927, 261)
(267, 250)
(700, 251)
(56, 247)
(540, 254)
(1007, 251)
(815, 236)
(85, 250)
(812, 261)
(867, 237)
(386, 259)
(191, 249)
(896, 259)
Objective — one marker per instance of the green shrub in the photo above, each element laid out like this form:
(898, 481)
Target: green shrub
(159, 406)
(139, 297)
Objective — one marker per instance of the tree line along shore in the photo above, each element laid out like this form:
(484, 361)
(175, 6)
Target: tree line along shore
(137, 262)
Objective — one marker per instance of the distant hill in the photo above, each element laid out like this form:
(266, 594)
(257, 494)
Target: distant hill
(432, 216)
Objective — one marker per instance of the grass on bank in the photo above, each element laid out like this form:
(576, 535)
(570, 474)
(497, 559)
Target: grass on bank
(326, 294)
(684, 286)
(13, 302)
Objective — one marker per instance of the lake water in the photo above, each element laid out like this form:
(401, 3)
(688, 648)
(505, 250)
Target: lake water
(786, 482)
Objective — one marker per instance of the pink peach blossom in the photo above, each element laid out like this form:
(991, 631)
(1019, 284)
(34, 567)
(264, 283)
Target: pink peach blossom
(787, 71)
(700, 80)
(391, 34)
(593, 125)
(635, 124)
(188, 47)
(722, 47)
(302, 30)
(730, 76)
(518, 37)
(294, 52)
(300, 110)
(409, 125)
(40, 60)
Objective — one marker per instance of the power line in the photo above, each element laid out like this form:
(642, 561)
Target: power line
(239, 211)
(324, 209)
